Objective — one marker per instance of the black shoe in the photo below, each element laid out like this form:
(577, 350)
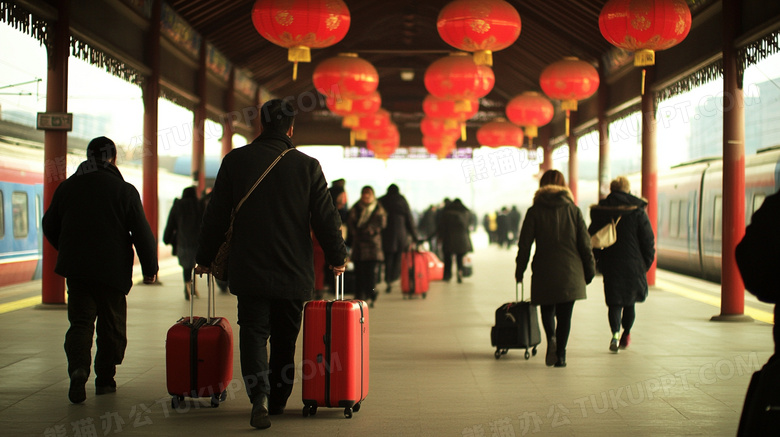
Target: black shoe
(77, 393)
(275, 410)
(552, 357)
(104, 389)
(561, 359)
(260, 419)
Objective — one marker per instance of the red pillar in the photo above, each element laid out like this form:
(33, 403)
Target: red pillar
(151, 94)
(732, 297)
(227, 120)
(574, 176)
(199, 125)
(650, 160)
(603, 129)
(55, 144)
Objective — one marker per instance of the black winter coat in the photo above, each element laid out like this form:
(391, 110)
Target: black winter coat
(624, 264)
(366, 240)
(182, 229)
(94, 220)
(453, 229)
(400, 223)
(563, 262)
(271, 252)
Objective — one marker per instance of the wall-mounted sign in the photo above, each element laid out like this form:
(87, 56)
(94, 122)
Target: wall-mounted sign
(55, 121)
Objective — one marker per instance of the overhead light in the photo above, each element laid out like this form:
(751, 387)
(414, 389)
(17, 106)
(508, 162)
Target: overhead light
(407, 75)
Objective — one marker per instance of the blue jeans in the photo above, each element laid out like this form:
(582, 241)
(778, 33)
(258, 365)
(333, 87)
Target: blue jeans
(261, 319)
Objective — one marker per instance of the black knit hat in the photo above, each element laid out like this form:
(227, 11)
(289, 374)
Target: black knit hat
(101, 149)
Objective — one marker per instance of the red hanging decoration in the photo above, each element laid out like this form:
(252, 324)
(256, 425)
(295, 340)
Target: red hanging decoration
(344, 77)
(439, 146)
(300, 25)
(479, 26)
(569, 80)
(530, 110)
(454, 113)
(352, 109)
(498, 133)
(439, 127)
(455, 77)
(645, 26)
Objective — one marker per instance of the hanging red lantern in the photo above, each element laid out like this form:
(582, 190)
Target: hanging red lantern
(439, 146)
(530, 110)
(439, 127)
(300, 25)
(479, 26)
(353, 109)
(645, 26)
(454, 113)
(455, 77)
(569, 80)
(384, 142)
(379, 120)
(498, 133)
(344, 77)
(485, 81)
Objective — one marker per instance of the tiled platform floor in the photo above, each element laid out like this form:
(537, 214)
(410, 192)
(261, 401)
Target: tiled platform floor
(433, 372)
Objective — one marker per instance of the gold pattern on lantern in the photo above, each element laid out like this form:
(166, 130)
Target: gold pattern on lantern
(480, 26)
(640, 23)
(284, 18)
(332, 22)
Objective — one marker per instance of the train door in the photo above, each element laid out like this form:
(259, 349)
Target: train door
(711, 227)
(38, 211)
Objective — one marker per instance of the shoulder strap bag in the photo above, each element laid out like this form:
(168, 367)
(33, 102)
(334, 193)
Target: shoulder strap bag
(219, 267)
(606, 236)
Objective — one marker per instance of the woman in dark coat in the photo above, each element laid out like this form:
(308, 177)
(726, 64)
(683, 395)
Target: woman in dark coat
(395, 237)
(366, 220)
(563, 262)
(182, 231)
(624, 264)
(453, 232)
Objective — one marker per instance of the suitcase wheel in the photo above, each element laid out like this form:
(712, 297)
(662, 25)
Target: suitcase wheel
(500, 352)
(527, 354)
(309, 410)
(533, 352)
(176, 401)
(425, 295)
(356, 407)
(348, 413)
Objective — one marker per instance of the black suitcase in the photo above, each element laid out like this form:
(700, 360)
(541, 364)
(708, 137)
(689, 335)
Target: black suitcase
(761, 412)
(517, 327)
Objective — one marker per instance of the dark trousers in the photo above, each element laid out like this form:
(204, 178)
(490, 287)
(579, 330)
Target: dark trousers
(392, 266)
(366, 274)
(628, 316)
(560, 312)
(88, 302)
(448, 264)
(264, 321)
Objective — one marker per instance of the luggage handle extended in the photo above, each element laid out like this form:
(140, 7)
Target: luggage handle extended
(340, 286)
(211, 309)
(521, 287)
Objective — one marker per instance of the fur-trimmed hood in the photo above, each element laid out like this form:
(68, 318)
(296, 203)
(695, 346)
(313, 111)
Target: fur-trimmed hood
(553, 196)
(620, 203)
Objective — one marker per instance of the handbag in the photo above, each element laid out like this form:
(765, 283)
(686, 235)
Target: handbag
(219, 267)
(606, 236)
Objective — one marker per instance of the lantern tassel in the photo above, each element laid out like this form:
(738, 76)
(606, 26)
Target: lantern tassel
(567, 122)
(295, 70)
(463, 132)
(352, 138)
(644, 72)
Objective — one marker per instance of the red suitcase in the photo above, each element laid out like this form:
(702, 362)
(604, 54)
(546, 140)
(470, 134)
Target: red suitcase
(415, 278)
(435, 266)
(199, 354)
(335, 353)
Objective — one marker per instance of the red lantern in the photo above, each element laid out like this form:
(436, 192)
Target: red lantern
(345, 76)
(384, 142)
(439, 146)
(379, 120)
(530, 110)
(485, 81)
(569, 80)
(300, 25)
(439, 127)
(352, 109)
(454, 113)
(645, 26)
(479, 26)
(500, 133)
(455, 77)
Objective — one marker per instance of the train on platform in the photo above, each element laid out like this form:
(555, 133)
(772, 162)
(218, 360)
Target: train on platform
(21, 205)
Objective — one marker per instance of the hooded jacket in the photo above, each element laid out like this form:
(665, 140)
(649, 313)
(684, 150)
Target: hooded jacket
(94, 220)
(563, 262)
(271, 252)
(624, 264)
(400, 223)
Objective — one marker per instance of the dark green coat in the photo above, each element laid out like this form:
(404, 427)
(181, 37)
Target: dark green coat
(563, 263)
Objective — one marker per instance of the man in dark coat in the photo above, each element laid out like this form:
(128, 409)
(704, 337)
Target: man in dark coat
(395, 237)
(271, 257)
(94, 220)
(181, 231)
(624, 264)
(453, 232)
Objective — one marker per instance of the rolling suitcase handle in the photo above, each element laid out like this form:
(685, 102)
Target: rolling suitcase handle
(211, 309)
(521, 286)
(340, 286)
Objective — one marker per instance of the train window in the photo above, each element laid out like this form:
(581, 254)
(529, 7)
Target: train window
(717, 218)
(758, 200)
(674, 218)
(19, 213)
(684, 219)
(2, 216)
